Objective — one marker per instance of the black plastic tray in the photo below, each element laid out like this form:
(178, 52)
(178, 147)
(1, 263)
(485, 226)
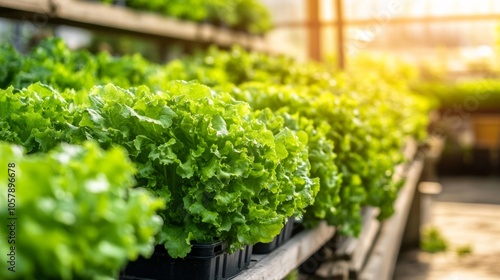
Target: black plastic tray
(282, 237)
(204, 262)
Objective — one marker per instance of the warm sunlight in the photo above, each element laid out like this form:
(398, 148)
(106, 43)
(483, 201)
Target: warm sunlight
(250, 139)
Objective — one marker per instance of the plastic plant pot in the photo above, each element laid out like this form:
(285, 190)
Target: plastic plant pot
(282, 237)
(204, 262)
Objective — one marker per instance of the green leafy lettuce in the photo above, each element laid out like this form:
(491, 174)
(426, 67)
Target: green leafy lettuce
(225, 172)
(77, 217)
(222, 172)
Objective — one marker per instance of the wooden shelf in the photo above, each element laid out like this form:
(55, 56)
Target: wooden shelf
(350, 247)
(290, 255)
(381, 261)
(125, 20)
(370, 231)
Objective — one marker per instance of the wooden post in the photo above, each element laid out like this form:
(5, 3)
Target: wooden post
(340, 34)
(162, 51)
(314, 34)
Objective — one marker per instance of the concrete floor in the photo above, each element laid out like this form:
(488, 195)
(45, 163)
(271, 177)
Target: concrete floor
(467, 212)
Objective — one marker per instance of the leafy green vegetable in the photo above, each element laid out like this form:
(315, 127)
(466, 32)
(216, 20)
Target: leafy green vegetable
(53, 63)
(37, 118)
(77, 218)
(325, 158)
(224, 172)
(10, 64)
(365, 118)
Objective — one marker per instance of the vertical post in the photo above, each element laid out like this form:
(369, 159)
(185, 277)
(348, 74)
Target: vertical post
(314, 35)
(340, 34)
(162, 51)
(18, 43)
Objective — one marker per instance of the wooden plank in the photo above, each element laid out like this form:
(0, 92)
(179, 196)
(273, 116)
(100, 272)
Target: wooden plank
(431, 154)
(371, 228)
(400, 20)
(351, 245)
(340, 33)
(333, 270)
(346, 248)
(314, 30)
(381, 262)
(410, 149)
(125, 19)
(351, 255)
(410, 152)
(295, 251)
(26, 5)
(411, 235)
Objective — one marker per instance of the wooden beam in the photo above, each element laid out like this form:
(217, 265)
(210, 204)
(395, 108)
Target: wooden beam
(399, 20)
(381, 262)
(370, 231)
(314, 30)
(290, 255)
(40, 7)
(340, 34)
(351, 245)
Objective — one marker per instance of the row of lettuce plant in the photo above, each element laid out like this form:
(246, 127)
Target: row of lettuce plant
(463, 96)
(366, 116)
(244, 15)
(272, 138)
(222, 172)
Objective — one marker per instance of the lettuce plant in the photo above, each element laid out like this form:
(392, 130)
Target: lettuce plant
(76, 215)
(225, 172)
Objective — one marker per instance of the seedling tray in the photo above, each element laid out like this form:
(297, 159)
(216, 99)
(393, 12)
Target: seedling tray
(282, 237)
(204, 262)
